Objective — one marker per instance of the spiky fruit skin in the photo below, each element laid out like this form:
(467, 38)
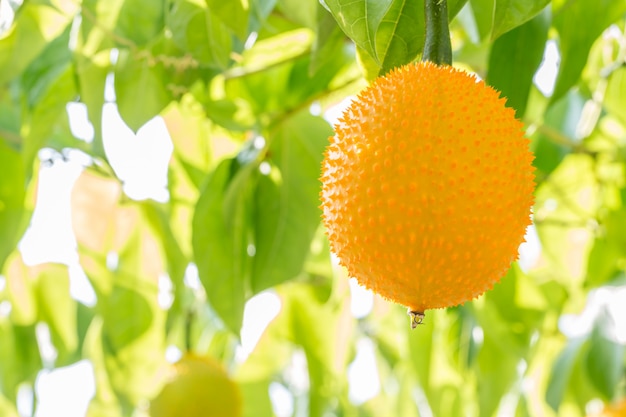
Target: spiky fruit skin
(197, 387)
(427, 187)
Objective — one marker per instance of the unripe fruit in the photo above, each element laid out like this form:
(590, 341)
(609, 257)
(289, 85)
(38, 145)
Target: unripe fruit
(427, 187)
(198, 387)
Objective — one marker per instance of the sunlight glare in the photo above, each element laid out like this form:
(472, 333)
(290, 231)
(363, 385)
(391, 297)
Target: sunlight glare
(363, 376)
(65, 391)
(259, 311)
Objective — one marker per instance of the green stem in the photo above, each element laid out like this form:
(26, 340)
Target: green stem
(437, 46)
(191, 313)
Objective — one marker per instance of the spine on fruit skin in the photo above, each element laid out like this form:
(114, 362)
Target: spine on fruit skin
(437, 47)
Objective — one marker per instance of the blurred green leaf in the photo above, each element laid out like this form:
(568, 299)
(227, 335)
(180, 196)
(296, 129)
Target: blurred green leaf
(562, 370)
(233, 14)
(132, 333)
(302, 12)
(329, 39)
(44, 72)
(21, 291)
(48, 119)
(317, 328)
(104, 403)
(608, 250)
(91, 73)
(433, 352)
(140, 21)
(286, 215)
(605, 358)
(275, 78)
(615, 95)
(259, 11)
(517, 306)
(35, 25)
(555, 138)
(497, 371)
(483, 12)
(58, 309)
(264, 74)
(98, 20)
(221, 226)
(579, 23)
(256, 401)
(406, 405)
(140, 89)
(127, 315)
(20, 360)
(198, 31)
(12, 195)
(7, 408)
(515, 57)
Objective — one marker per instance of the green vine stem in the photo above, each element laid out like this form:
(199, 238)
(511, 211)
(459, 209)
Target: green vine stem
(437, 46)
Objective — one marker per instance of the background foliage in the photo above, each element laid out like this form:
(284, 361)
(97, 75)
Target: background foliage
(241, 86)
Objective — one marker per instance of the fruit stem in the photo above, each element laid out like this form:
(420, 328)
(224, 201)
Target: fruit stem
(437, 47)
(417, 317)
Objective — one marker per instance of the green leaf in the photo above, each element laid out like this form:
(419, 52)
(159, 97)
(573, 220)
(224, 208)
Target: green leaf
(315, 327)
(398, 39)
(493, 18)
(553, 141)
(510, 14)
(20, 360)
(433, 351)
(132, 333)
(99, 18)
(497, 371)
(259, 11)
(615, 95)
(162, 222)
(35, 25)
(483, 11)
(287, 215)
(514, 58)
(221, 226)
(275, 78)
(329, 39)
(199, 32)
(391, 31)
(91, 74)
(58, 309)
(105, 402)
(48, 118)
(141, 21)
(562, 371)
(7, 408)
(127, 315)
(45, 71)
(12, 195)
(233, 13)
(255, 400)
(608, 250)
(579, 23)
(605, 358)
(454, 7)
(302, 12)
(140, 89)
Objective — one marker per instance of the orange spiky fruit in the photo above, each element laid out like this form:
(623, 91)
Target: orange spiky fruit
(198, 386)
(427, 187)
